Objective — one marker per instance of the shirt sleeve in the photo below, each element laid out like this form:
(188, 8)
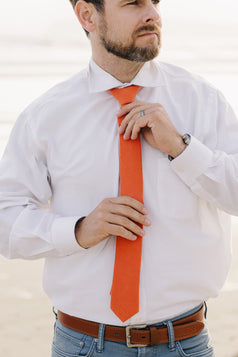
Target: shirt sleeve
(211, 171)
(28, 227)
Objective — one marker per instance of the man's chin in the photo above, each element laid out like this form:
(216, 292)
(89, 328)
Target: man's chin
(149, 51)
(146, 54)
(133, 53)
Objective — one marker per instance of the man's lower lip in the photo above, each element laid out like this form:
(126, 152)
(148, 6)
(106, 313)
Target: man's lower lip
(148, 34)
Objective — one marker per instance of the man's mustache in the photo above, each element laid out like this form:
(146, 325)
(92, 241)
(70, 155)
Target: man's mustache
(148, 28)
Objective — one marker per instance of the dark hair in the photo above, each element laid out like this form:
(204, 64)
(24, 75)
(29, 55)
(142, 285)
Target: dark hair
(99, 5)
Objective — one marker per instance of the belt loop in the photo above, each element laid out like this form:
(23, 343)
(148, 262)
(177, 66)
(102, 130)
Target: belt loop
(170, 328)
(55, 313)
(100, 342)
(205, 311)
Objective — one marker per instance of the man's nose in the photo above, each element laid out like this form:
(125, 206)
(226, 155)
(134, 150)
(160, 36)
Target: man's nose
(151, 14)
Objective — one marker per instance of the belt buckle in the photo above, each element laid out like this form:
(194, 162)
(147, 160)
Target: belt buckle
(128, 336)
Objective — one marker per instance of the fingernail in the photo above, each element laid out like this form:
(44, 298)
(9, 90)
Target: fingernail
(134, 237)
(145, 210)
(142, 232)
(147, 221)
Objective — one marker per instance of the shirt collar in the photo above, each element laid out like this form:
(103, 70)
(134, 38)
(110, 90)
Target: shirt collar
(150, 75)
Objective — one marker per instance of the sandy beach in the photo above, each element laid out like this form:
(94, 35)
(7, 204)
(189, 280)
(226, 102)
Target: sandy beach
(33, 58)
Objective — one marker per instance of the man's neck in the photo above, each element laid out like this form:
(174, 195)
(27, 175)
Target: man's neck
(123, 70)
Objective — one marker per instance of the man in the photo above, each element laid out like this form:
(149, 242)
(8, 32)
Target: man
(62, 199)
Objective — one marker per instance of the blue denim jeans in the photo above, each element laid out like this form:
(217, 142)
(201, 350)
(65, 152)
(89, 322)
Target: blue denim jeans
(69, 343)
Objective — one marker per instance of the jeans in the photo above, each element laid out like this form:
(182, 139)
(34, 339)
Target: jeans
(69, 343)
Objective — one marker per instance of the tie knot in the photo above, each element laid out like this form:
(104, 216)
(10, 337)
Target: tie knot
(125, 95)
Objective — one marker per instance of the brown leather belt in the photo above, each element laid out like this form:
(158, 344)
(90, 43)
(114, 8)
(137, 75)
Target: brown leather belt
(138, 335)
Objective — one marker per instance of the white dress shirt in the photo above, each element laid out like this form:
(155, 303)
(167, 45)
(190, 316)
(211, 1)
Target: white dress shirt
(62, 160)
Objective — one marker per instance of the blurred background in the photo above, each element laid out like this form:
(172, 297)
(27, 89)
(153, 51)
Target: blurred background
(41, 43)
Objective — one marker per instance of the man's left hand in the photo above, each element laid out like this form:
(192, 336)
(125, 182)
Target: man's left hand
(155, 125)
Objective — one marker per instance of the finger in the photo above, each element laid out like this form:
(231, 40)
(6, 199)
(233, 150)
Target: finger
(128, 130)
(138, 106)
(128, 107)
(125, 223)
(132, 115)
(133, 128)
(138, 125)
(120, 231)
(131, 213)
(131, 202)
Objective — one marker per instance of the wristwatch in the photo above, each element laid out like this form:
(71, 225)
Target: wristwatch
(186, 139)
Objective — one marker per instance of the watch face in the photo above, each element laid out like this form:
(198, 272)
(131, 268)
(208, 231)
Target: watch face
(186, 139)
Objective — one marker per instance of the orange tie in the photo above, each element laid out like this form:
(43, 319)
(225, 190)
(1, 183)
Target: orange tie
(126, 276)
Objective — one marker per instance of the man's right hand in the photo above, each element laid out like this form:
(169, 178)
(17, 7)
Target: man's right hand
(117, 216)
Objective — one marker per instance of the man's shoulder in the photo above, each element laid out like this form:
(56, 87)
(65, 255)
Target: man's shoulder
(62, 91)
(65, 89)
(190, 84)
(57, 98)
(174, 74)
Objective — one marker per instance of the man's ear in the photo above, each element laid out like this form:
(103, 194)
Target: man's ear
(85, 13)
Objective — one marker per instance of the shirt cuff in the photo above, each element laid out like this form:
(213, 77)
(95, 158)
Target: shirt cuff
(63, 236)
(193, 162)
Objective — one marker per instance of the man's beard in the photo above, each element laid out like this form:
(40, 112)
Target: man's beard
(131, 52)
